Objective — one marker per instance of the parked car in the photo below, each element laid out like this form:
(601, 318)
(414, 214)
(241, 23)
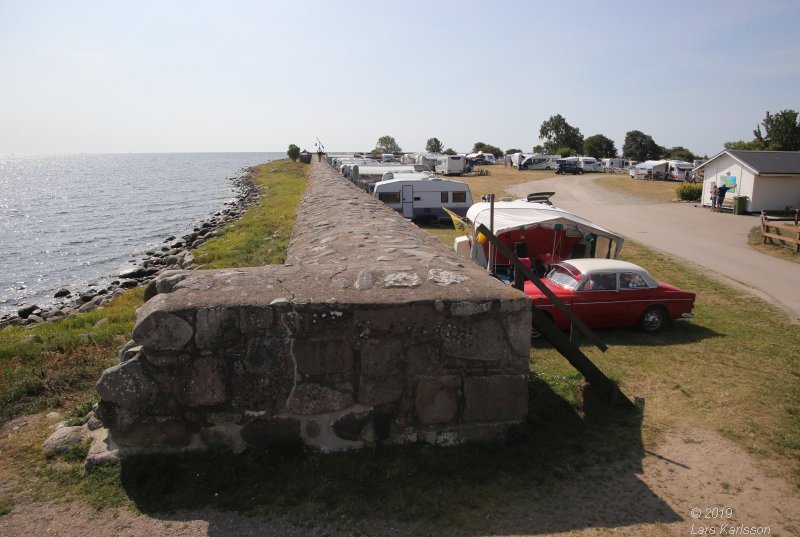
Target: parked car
(608, 293)
(568, 167)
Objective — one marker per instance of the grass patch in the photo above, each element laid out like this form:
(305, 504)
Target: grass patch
(55, 365)
(733, 368)
(6, 505)
(658, 191)
(261, 236)
(784, 251)
(500, 178)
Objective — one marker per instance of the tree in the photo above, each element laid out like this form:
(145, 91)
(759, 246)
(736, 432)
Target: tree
(640, 146)
(433, 145)
(512, 151)
(680, 153)
(742, 145)
(781, 131)
(449, 151)
(538, 149)
(566, 152)
(387, 144)
(556, 133)
(481, 147)
(293, 152)
(599, 146)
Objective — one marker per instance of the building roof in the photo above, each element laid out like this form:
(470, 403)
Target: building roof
(766, 162)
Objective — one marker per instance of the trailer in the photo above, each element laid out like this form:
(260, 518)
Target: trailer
(423, 197)
(450, 164)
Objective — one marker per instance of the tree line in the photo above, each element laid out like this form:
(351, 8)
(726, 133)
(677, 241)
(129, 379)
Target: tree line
(781, 133)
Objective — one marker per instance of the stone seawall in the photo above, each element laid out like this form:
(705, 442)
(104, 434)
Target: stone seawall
(372, 331)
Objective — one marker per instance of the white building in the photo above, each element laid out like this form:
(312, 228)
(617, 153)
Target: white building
(771, 179)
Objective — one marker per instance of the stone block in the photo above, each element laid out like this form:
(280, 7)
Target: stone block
(263, 378)
(127, 385)
(375, 391)
(206, 384)
(496, 398)
(163, 331)
(216, 328)
(321, 356)
(310, 398)
(263, 432)
(436, 400)
(480, 340)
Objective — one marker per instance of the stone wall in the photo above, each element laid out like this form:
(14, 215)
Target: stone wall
(373, 331)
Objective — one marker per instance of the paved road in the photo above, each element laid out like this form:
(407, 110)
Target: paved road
(714, 241)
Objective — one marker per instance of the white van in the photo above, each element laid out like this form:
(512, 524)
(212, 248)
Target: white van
(422, 197)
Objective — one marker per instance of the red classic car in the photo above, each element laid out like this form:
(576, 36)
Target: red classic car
(610, 293)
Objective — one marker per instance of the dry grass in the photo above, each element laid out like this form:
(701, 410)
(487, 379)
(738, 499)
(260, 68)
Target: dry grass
(499, 179)
(781, 251)
(651, 190)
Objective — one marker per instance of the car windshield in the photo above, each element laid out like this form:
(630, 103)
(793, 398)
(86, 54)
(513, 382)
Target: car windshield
(562, 277)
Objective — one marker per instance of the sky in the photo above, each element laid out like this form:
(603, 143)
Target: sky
(180, 76)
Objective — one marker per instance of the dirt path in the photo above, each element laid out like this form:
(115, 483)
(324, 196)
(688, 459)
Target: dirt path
(715, 241)
(690, 469)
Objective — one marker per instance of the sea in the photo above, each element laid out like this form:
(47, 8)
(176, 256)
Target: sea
(76, 221)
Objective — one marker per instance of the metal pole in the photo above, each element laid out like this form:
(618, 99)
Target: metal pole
(490, 262)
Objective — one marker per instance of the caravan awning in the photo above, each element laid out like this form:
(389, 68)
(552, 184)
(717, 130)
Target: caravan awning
(521, 214)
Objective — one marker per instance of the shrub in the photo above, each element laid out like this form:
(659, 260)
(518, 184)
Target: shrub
(689, 191)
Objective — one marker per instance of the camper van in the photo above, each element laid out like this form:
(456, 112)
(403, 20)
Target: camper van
(535, 161)
(450, 164)
(678, 170)
(421, 197)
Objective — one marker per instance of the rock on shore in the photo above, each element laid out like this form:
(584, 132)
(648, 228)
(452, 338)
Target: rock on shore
(177, 255)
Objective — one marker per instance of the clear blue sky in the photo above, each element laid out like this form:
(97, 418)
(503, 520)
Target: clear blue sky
(100, 76)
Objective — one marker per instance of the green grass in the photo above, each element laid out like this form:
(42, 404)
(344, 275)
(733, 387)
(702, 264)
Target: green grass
(261, 236)
(55, 365)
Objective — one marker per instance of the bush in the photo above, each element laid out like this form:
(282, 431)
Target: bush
(689, 191)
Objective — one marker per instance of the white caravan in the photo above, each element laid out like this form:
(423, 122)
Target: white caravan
(680, 170)
(588, 164)
(612, 164)
(422, 197)
(450, 164)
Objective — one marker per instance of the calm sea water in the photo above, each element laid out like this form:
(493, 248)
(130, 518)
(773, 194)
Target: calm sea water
(75, 220)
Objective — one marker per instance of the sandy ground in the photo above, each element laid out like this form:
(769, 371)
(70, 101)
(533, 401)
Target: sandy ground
(693, 480)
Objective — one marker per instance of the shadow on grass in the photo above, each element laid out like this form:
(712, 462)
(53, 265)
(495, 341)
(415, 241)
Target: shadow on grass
(568, 468)
(679, 333)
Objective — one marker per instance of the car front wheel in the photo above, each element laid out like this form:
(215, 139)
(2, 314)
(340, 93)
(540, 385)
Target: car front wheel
(653, 319)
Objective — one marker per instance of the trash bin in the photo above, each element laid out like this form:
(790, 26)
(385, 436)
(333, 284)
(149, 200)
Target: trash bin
(740, 204)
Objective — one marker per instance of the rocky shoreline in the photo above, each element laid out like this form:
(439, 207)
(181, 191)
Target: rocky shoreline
(175, 254)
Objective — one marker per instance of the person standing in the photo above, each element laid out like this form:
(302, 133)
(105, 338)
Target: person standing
(721, 191)
(714, 191)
